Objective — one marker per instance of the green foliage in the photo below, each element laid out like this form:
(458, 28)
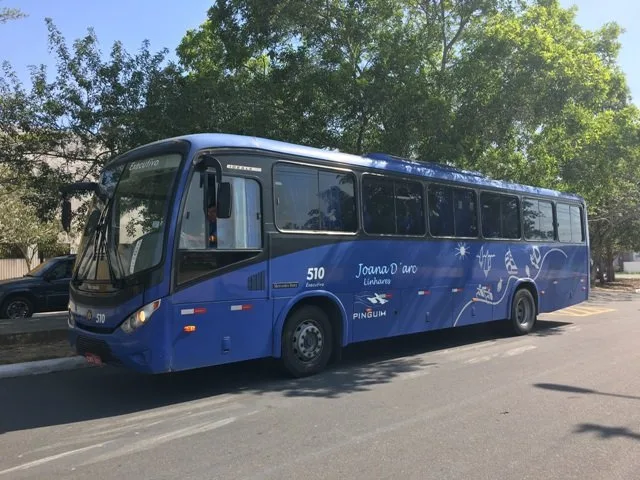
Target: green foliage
(20, 226)
(64, 127)
(513, 88)
(7, 14)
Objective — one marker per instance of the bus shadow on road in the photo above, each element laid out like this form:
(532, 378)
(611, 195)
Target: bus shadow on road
(94, 393)
(372, 363)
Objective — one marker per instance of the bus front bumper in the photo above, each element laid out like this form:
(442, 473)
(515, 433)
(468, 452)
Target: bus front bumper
(131, 351)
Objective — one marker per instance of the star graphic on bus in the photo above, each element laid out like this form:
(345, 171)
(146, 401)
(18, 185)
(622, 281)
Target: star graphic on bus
(462, 250)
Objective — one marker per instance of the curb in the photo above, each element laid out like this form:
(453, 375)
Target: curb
(42, 366)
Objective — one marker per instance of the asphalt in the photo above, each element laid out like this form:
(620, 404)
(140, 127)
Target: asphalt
(471, 403)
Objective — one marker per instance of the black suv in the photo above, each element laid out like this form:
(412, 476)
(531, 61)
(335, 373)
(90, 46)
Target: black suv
(43, 289)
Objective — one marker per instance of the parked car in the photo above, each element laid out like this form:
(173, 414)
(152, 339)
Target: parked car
(43, 289)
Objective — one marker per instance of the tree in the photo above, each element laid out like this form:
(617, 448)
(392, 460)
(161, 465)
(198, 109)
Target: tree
(19, 223)
(66, 126)
(514, 89)
(7, 14)
(599, 157)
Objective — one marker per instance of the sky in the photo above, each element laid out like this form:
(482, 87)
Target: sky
(164, 23)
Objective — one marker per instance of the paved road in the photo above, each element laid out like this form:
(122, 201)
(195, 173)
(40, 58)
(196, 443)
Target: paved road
(561, 403)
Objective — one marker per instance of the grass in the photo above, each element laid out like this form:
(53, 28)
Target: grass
(628, 275)
(622, 283)
(34, 351)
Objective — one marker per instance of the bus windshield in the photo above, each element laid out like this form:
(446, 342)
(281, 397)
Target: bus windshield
(124, 233)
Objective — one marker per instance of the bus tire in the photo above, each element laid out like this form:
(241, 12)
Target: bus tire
(307, 341)
(523, 312)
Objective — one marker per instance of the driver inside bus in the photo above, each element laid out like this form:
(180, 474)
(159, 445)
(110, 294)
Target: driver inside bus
(213, 225)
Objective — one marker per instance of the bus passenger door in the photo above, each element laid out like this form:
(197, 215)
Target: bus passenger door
(223, 270)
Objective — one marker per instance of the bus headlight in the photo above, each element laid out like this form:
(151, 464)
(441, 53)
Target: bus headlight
(142, 316)
(71, 319)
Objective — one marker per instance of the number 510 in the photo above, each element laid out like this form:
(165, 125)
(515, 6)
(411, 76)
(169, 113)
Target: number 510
(315, 273)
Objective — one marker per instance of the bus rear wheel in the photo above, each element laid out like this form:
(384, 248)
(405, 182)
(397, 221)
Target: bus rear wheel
(523, 312)
(307, 341)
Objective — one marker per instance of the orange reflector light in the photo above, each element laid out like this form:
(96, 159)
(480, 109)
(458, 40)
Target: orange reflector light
(189, 328)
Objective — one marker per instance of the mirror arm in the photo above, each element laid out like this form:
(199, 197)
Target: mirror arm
(78, 187)
(209, 161)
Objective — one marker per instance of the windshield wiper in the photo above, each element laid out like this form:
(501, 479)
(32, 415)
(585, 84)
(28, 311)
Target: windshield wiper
(104, 245)
(99, 247)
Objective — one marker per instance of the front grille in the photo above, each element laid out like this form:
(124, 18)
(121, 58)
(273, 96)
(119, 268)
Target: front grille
(95, 329)
(100, 348)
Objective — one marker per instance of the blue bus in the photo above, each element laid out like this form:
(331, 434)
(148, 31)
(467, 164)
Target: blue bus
(209, 249)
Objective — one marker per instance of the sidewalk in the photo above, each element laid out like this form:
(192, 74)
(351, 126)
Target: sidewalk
(37, 329)
(39, 322)
(35, 345)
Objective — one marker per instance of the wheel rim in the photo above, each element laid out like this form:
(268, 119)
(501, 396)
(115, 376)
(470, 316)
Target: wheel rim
(17, 309)
(524, 311)
(308, 341)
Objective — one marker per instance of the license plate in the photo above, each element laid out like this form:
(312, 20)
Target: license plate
(93, 359)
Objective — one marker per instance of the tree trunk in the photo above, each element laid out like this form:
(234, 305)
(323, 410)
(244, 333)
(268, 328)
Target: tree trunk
(611, 270)
(29, 254)
(599, 266)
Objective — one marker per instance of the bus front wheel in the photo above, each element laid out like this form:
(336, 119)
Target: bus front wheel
(307, 341)
(523, 312)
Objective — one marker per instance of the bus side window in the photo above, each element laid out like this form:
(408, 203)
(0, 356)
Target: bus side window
(311, 199)
(378, 196)
(465, 213)
(500, 216)
(538, 219)
(577, 226)
(441, 217)
(192, 230)
(410, 219)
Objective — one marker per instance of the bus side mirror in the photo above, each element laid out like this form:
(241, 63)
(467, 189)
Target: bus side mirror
(224, 200)
(66, 215)
(79, 187)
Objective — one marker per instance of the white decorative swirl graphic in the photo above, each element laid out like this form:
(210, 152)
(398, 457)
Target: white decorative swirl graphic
(506, 286)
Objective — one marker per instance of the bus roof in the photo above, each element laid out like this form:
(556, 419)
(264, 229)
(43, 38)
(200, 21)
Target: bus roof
(379, 161)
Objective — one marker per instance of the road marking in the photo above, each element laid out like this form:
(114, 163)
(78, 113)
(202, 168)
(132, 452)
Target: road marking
(52, 458)
(410, 375)
(152, 442)
(509, 353)
(485, 358)
(466, 348)
(167, 411)
(581, 311)
(128, 427)
(519, 351)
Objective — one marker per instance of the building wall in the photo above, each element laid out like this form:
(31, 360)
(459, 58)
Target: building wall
(631, 267)
(12, 268)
